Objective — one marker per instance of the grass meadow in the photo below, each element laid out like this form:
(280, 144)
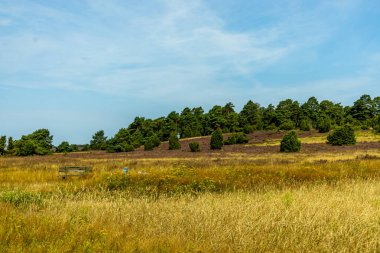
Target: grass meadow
(223, 202)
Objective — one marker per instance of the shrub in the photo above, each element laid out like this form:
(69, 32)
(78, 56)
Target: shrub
(151, 142)
(236, 138)
(194, 147)
(290, 143)
(342, 136)
(324, 124)
(174, 141)
(129, 148)
(216, 139)
(305, 125)
(287, 125)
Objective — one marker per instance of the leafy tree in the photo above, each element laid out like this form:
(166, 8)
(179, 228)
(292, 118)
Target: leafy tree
(363, 108)
(99, 141)
(170, 125)
(251, 117)
(194, 147)
(174, 141)
(310, 110)
(39, 142)
(290, 143)
(216, 139)
(269, 117)
(287, 110)
(64, 147)
(344, 135)
(3, 143)
(10, 147)
(324, 124)
(335, 111)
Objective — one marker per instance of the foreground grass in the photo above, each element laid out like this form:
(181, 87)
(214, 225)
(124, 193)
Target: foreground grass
(320, 218)
(227, 202)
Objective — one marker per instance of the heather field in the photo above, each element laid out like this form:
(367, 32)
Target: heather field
(244, 198)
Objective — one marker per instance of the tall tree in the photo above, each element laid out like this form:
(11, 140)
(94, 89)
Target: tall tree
(99, 141)
(250, 117)
(3, 142)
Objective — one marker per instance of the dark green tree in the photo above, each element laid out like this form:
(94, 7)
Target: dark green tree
(216, 139)
(99, 141)
(250, 117)
(3, 144)
(344, 135)
(39, 142)
(236, 138)
(290, 143)
(324, 124)
(10, 147)
(363, 108)
(64, 147)
(174, 141)
(310, 110)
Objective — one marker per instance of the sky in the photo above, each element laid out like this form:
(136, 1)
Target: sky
(77, 66)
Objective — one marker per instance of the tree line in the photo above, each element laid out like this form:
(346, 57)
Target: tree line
(192, 122)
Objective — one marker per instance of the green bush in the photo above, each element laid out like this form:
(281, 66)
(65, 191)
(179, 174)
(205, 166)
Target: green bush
(151, 142)
(129, 148)
(194, 147)
(216, 139)
(174, 142)
(236, 138)
(344, 135)
(290, 143)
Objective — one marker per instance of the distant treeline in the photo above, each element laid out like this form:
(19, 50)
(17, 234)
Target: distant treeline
(192, 122)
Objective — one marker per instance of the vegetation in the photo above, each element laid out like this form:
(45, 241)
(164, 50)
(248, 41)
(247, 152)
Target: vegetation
(36, 143)
(194, 122)
(241, 202)
(194, 147)
(236, 138)
(216, 139)
(174, 141)
(344, 135)
(152, 142)
(290, 143)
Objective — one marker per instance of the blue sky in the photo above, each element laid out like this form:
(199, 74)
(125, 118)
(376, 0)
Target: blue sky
(75, 67)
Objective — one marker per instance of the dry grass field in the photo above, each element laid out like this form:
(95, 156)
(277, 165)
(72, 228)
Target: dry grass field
(247, 198)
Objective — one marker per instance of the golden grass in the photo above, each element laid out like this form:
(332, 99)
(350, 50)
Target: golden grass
(230, 202)
(319, 218)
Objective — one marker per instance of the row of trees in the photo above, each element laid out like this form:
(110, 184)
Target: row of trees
(287, 115)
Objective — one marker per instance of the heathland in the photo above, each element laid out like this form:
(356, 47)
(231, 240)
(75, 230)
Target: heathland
(243, 198)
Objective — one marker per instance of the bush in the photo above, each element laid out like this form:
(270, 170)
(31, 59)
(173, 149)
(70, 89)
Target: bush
(342, 136)
(287, 125)
(305, 125)
(290, 143)
(216, 139)
(194, 147)
(151, 142)
(129, 148)
(236, 138)
(324, 124)
(174, 141)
